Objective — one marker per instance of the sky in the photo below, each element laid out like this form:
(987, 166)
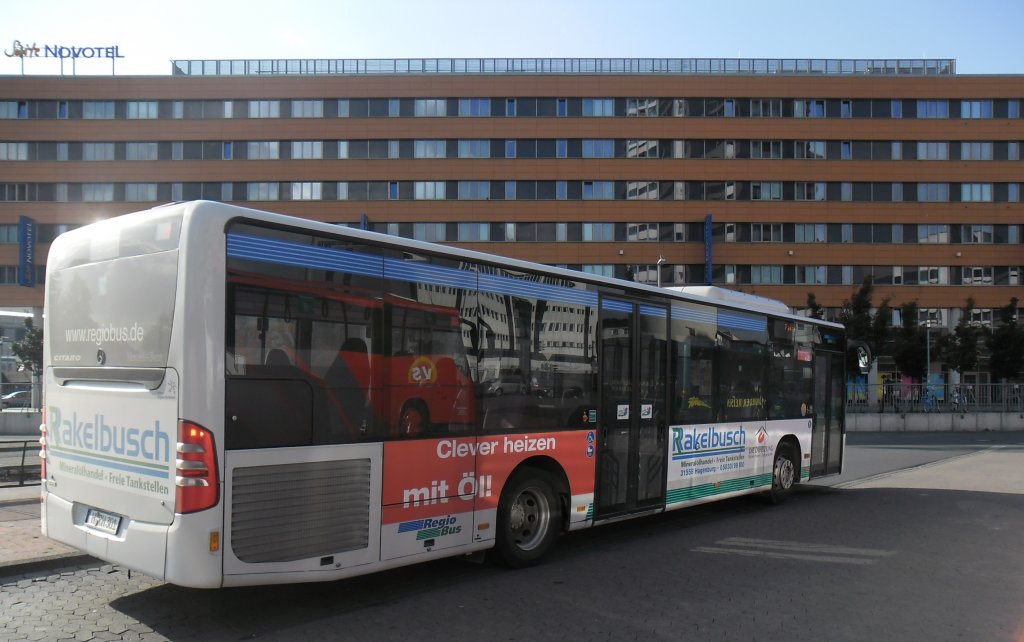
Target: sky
(983, 36)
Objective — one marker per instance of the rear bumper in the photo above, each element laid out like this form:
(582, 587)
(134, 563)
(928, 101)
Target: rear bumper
(140, 546)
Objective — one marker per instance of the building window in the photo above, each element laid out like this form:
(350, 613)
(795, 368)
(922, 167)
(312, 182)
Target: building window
(975, 109)
(642, 190)
(976, 233)
(766, 108)
(510, 190)
(263, 150)
(300, 109)
(475, 148)
(766, 149)
(976, 192)
(265, 108)
(140, 151)
(474, 190)
(976, 150)
(599, 232)
(394, 108)
(598, 269)
(510, 107)
(846, 109)
(806, 191)
(561, 148)
(811, 274)
(561, 190)
(342, 191)
(808, 108)
(897, 150)
(14, 151)
(393, 149)
(598, 190)
(642, 148)
(430, 107)
(97, 192)
(846, 148)
(98, 151)
(729, 108)
(642, 232)
(765, 191)
(810, 233)
(178, 109)
(562, 108)
(932, 150)
(98, 109)
(642, 107)
(766, 232)
(229, 112)
(432, 232)
(1013, 150)
(933, 192)
(897, 192)
(260, 191)
(510, 149)
(598, 107)
(307, 149)
(141, 109)
(429, 190)
(343, 107)
(227, 150)
(139, 192)
(474, 107)
(227, 192)
(1013, 108)
(430, 149)
(933, 233)
(809, 149)
(765, 274)
(469, 232)
(603, 148)
(933, 109)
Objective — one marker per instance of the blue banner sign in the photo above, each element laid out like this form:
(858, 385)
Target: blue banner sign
(27, 252)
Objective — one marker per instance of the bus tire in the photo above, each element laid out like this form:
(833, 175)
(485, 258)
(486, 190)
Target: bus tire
(529, 518)
(413, 419)
(784, 473)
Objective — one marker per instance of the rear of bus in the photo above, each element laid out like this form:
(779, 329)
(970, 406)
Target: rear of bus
(124, 469)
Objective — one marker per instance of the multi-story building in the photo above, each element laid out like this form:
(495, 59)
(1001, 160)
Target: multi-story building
(811, 173)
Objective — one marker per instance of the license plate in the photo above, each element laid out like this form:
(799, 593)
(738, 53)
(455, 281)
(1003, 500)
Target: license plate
(101, 521)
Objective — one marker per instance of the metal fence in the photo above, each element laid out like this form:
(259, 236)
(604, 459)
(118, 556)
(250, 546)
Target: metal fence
(919, 397)
(19, 462)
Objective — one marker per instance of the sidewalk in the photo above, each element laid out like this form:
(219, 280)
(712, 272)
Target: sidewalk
(22, 545)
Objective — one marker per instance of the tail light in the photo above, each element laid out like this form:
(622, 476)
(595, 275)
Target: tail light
(196, 478)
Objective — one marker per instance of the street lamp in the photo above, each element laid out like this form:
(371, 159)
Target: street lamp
(661, 262)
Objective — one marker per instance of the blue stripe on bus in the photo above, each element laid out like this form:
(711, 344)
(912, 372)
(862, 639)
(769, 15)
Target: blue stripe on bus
(406, 527)
(736, 321)
(653, 311)
(709, 452)
(700, 315)
(107, 463)
(255, 248)
(617, 306)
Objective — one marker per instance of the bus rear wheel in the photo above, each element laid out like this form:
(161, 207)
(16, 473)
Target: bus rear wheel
(784, 473)
(529, 517)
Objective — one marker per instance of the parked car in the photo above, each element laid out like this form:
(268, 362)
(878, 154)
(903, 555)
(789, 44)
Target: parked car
(19, 399)
(506, 385)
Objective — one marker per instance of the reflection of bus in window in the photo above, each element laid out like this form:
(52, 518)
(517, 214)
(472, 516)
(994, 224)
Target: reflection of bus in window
(236, 397)
(324, 338)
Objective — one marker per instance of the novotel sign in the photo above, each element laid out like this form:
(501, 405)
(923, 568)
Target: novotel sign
(63, 52)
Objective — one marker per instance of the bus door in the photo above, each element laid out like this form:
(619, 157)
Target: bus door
(829, 418)
(631, 460)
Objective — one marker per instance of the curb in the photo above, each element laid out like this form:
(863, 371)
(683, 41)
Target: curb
(47, 563)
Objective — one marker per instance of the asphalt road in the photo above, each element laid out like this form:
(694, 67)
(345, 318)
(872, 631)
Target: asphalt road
(893, 550)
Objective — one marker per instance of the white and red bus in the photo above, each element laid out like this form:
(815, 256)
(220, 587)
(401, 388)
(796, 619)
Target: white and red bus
(237, 397)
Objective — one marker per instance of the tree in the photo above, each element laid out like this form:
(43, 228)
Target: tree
(909, 344)
(959, 349)
(861, 325)
(1006, 343)
(30, 349)
(814, 309)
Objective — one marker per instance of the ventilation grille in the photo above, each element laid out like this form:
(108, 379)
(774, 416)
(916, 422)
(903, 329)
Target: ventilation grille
(298, 511)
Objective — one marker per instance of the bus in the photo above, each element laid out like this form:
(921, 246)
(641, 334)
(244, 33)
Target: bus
(236, 397)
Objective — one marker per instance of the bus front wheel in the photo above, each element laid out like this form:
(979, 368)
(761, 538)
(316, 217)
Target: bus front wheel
(784, 472)
(529, 516)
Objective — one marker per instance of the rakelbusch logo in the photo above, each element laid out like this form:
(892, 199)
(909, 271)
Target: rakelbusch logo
(19, 50)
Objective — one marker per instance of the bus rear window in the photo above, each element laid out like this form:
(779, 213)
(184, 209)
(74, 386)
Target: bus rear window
(112, 239)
